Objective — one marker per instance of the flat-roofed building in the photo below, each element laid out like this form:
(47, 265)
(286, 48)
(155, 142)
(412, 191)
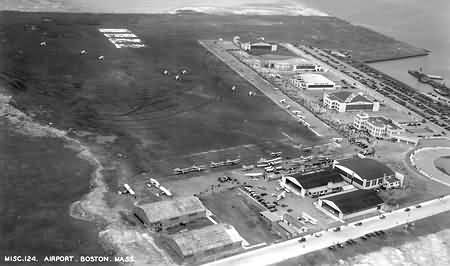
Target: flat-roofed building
(312, 81)
(364, 173)
(315, 184)
(259, 45)
(346, 205)
(271, 218)
(210, 242)
(288, 63)
(377, 126)
(345, 101)
(161, 215)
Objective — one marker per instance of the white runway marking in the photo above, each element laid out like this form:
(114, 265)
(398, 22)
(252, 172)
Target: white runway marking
(120, 35)
(114, 30)
(122, 38)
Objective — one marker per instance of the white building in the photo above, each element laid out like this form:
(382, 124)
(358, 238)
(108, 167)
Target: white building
(280, 63)
(311, 81)
(344, 101)
(377, 126)
(261, 46)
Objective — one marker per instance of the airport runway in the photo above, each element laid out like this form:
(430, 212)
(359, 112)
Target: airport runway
(293, 248)
(317, 126)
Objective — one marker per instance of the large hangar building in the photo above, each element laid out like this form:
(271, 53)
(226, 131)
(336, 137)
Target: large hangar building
(346, 205)
(364, 173)
(161, 215)
(212, 241)
(315, 184)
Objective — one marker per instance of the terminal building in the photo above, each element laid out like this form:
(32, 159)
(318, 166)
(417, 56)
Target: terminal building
(377, 126)
(364, 173)
(347, 205)
(315, 184)
(312, 81)
(210, 242)
(280, 63)
(345, 101)
(259, 46)
(161, 215)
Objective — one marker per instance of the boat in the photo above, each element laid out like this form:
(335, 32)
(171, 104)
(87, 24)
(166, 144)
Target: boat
(434, 77)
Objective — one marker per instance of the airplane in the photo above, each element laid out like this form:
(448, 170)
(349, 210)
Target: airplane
(218, 164)
(165, 191)
(275, 154)
(129, 189)
(262, 160)
(247, 167)
(233, 162)
(154, 182)
(269, 169)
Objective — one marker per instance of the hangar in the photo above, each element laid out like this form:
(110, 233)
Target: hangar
(351, 204)
(311, 81)
(212, 241)
(161, 215)
(344, 101)
(364, 173)
(315, 184)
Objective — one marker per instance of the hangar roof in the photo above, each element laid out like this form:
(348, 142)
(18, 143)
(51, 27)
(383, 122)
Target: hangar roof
(318, 179)
(206, 238)
(355, 201)
(349, 97)
(367, 168)
(166, 209)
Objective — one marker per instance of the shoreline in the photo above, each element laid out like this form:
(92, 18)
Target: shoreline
(25, 125)
(397, 58)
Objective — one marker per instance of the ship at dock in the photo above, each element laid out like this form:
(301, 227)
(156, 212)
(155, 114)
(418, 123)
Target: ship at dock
(433, 80)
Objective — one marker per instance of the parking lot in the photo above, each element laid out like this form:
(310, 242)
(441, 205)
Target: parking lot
(427, 107)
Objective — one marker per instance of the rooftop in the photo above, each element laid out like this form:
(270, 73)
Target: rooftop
(272, 216)
(314, 78)
(349, 97)
(285, 58)
(367, 168)
(318, 179)
(380, 121)
(260, 43)
(162, 210)
(206, 238)
(355, 201)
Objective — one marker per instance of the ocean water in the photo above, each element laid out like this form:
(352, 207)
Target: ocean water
(423, 24)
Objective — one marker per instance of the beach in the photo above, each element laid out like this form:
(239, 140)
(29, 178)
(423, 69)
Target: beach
(262, 7)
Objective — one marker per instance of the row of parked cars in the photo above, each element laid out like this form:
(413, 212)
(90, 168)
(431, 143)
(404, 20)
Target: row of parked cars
(260, 198)
(431, 110)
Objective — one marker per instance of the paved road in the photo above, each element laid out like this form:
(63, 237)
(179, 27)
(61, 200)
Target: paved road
(423, 160)
(317, 126)
(292, 248)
